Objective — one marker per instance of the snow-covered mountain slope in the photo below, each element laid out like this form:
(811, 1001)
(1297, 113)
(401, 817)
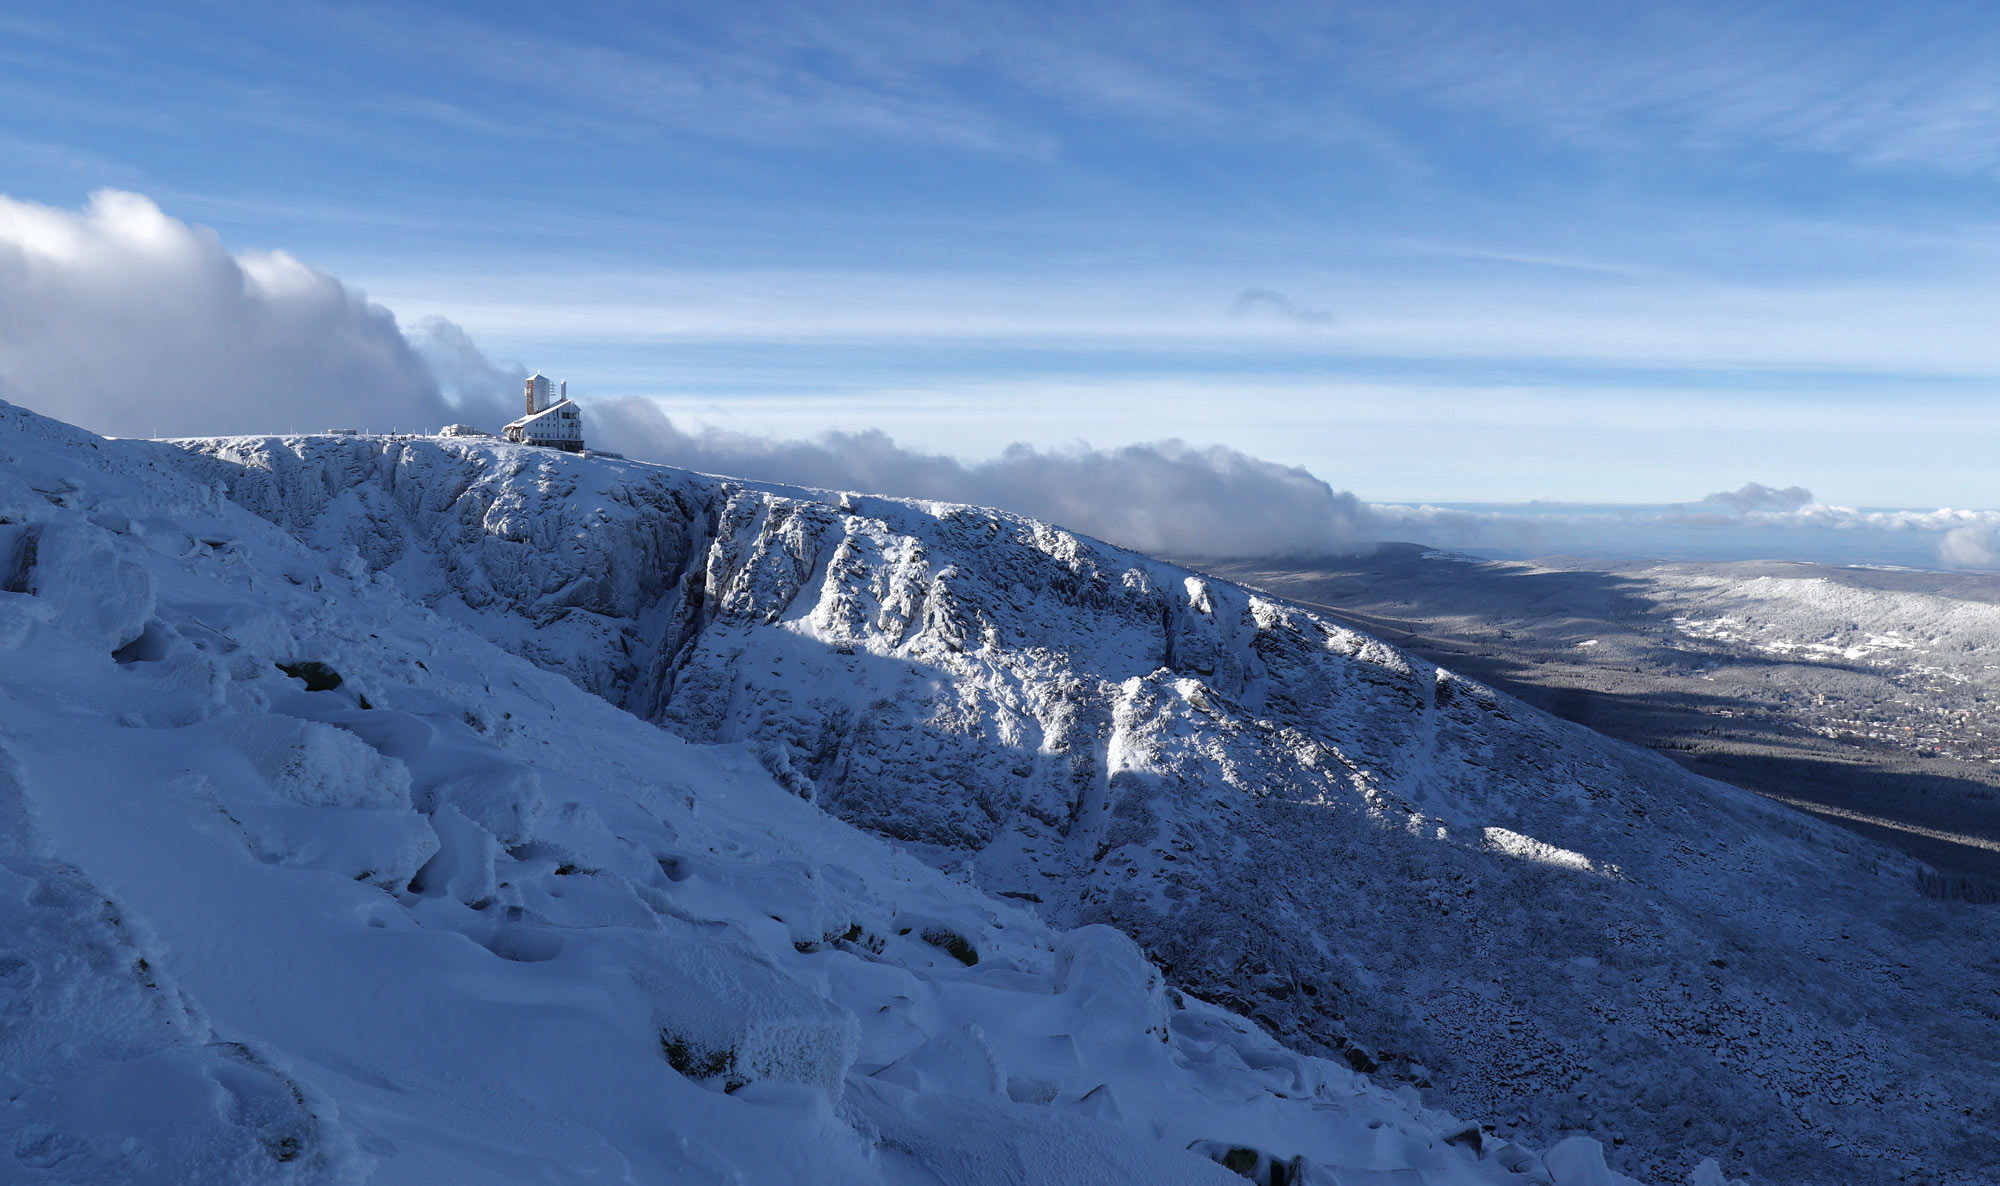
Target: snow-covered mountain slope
(300, 882)
(1366, 854)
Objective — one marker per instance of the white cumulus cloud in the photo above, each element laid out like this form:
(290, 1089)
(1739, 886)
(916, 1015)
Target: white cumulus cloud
(1972, 546)
(127, 321)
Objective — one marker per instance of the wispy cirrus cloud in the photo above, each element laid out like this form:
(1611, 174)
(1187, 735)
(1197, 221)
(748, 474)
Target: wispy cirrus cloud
(1270, 302)
(1915, 324)
(1875, 87)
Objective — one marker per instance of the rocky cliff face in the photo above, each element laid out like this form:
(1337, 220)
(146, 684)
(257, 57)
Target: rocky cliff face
(1368, 854)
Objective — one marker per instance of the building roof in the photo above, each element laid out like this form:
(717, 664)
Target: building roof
(534, 416)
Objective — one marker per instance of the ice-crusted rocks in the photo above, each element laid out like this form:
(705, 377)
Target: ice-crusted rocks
(317, 765)
(93, 595)
(1117, 992)
(578, 564)
(1372, 856)
(503, 798)
(736, 1021)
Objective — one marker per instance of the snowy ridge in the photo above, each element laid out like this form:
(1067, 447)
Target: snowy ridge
(304, 883)
(1368, 855)
(1820, 620)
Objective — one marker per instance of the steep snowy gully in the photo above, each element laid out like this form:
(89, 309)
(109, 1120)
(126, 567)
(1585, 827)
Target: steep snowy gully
(1371, 857)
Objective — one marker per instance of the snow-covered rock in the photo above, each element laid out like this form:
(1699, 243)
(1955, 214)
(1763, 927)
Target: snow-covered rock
(1371, 856)
(91, 594)
(317, 765)
(316, 925)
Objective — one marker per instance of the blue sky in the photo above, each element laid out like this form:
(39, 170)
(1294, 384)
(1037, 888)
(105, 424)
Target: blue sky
(1428, 251)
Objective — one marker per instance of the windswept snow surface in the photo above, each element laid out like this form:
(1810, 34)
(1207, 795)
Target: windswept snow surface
(302, 882)
(1368, 855)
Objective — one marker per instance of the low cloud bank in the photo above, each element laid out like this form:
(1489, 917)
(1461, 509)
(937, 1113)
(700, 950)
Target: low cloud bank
(1754, 522)
(126, 321)
(481, 392)
(1170, 498)
(1167, 497)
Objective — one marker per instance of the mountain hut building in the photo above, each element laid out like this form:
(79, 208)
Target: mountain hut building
(552, 420)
